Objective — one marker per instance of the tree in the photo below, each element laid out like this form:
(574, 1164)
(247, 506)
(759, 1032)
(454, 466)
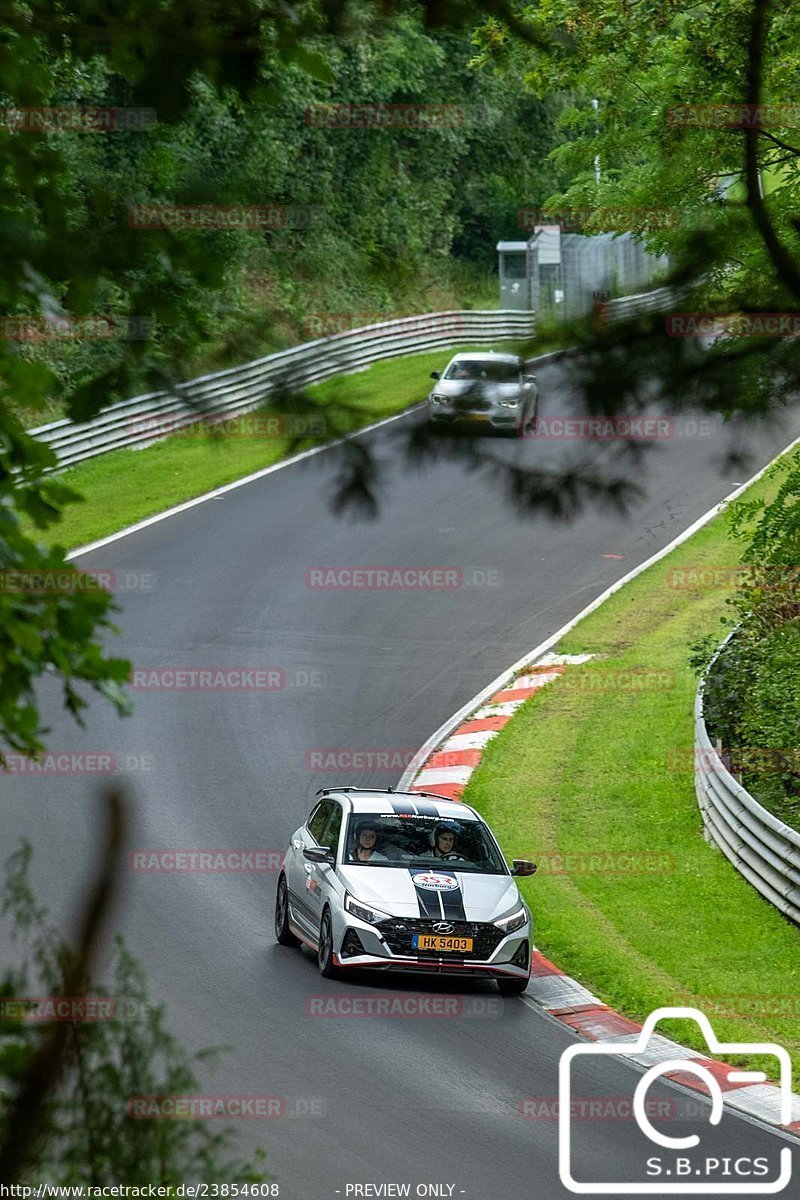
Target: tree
(67, 1087)
(228, 86)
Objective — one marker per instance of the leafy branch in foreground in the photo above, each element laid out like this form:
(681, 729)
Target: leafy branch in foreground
(65, 1087)
(364, 219)
(50, 614)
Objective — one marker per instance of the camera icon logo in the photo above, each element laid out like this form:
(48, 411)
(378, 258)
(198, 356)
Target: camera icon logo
(649, 1187)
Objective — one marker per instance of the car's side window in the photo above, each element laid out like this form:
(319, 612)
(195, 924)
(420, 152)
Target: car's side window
(319, 819)
(330, 837)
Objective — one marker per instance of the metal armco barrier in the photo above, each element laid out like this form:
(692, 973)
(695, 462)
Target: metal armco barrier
(761, 847)
(147, 419)
(625, 307)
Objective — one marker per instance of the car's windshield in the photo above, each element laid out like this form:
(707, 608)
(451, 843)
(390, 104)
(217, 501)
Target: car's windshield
(482, 369)
(389, 840)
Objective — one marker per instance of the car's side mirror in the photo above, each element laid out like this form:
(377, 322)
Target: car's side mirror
(530, 378)
(435, 375)
(320, 854)
(523, 866)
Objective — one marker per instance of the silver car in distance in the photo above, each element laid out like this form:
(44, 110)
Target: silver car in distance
(493, 390)
(403, 881)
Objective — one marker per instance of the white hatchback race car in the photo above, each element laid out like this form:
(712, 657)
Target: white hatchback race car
(404, 881)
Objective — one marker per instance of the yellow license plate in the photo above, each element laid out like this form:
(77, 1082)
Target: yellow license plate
(476, 416)
(456, 945)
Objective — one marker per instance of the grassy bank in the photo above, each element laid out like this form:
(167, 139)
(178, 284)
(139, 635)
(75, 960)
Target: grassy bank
(126, 486)
(589, 765)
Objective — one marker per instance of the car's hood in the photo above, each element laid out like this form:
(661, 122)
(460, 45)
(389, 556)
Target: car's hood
(441, 894)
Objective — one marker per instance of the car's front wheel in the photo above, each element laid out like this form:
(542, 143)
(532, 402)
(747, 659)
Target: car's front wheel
(282, 931)
(512, 987)
(325, 951)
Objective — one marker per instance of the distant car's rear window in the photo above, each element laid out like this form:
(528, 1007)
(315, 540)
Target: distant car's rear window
(478, 369)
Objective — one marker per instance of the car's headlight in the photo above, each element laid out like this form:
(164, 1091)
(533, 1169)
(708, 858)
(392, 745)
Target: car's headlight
(509, 403)
(515, 921)
(363, 911)
(440, 399)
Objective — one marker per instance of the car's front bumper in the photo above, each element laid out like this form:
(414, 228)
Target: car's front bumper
(497, 418)
(509, 958)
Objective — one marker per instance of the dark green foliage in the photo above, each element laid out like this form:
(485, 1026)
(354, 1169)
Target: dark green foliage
(372, 218)
(87, 1133)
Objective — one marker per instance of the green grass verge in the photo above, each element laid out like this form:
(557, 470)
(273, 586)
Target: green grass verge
(588, 770)
(125, 486)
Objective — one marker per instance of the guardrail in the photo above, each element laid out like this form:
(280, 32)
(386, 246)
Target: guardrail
(146, 419)
(761, 847)
(625, 307)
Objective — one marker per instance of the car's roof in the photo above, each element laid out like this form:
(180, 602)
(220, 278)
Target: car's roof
(424, 804)
(485, 356)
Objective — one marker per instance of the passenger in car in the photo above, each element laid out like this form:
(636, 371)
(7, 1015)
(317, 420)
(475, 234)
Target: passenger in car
(366, 845)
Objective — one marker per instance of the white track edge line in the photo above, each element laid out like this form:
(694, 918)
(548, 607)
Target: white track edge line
(530, 658)
(236, 483)
(444, 730)
(542, 360)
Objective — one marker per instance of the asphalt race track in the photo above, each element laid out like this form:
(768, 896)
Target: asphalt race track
(368, 1101)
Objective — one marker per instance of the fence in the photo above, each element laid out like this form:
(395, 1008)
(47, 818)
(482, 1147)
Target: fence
(603, 262)
(559, 274)
(243, 389)
(762, 848)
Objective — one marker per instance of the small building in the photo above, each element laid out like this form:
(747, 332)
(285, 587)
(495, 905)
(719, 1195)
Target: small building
(515, 278)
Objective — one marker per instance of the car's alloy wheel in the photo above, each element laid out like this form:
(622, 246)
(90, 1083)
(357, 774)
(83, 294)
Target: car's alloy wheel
(325, 951)
(282, 931)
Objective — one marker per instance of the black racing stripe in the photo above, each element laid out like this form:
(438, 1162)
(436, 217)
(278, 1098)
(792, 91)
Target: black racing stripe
(403, 808)
(426, 809)
(453, 903)
(428, 900)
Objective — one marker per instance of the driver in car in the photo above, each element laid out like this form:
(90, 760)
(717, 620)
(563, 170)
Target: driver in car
(443, 843)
